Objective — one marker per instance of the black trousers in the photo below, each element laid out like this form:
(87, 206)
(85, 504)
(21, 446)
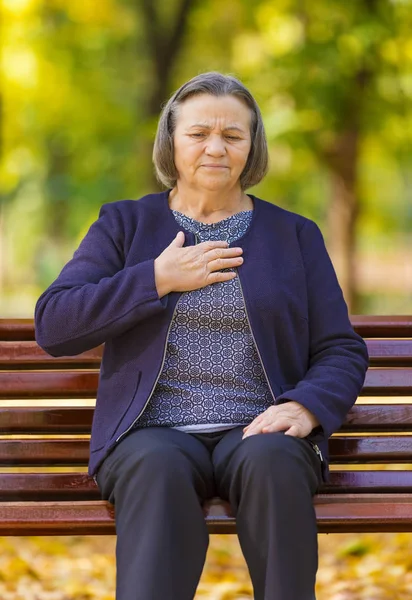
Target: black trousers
(158, 478)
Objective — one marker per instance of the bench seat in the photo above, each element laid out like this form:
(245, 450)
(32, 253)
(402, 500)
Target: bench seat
(44, 450)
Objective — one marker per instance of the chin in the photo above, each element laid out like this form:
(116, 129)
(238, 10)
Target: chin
(215, 184)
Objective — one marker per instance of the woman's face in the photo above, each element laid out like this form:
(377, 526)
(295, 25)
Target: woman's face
(211, 142)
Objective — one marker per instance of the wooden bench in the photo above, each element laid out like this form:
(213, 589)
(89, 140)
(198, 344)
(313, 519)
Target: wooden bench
(36, 500)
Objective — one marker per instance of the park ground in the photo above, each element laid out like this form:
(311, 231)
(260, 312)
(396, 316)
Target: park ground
(352, 567)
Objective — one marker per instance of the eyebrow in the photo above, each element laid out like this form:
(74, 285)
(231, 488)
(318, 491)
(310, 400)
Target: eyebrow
(207, 126)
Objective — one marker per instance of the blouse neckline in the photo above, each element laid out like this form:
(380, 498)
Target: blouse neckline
(254, 211)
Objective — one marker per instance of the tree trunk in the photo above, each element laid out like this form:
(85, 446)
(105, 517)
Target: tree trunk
(57, 191)
(342, 157)
(164, 47)
(343, 210)
(2, 199)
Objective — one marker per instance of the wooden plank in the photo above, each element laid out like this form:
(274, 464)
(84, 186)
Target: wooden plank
(365, 325)
(390, 353)
(16, 329)
(23, 385)
(55, 518)
(353, 449)
(19, 487)
(59, 420)
(378, 482)
(380, 449)
(60, 384)
(68, 420)
(374, 326)
(378, 417)
(44, 452)
(340, 513)
(335, 514)
(386, 382)
(28, 355)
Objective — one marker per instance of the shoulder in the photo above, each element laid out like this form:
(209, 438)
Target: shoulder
(121, 220)
(134, 209)
(284, 217)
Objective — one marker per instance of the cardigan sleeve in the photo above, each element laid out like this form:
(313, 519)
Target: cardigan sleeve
(96, 297)
(338, 357)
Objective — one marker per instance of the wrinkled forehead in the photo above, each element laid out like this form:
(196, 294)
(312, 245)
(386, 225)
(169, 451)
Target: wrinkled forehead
(208, 111)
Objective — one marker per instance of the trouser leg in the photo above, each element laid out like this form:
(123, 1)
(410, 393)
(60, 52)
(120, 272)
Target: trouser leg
(157, 478)
(270, 480)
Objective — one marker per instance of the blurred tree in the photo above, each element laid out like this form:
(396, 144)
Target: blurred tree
(2, 268)
(336, 73)
(165, 27)
(83, 83)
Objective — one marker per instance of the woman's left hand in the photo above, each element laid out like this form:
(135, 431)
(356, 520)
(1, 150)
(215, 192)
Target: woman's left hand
(291, 417)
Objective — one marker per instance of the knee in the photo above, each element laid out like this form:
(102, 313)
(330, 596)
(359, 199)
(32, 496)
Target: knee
(273, 454)
(160, 464)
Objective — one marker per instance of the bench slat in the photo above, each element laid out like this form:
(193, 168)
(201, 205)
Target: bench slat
(380, 449)
(379, 417)
(59, 420)
(389, 353)
(16, 329)
(358, 482)
(44, 452)
(56, 384)
(20, 355)
(79, 486)
(387, 326)
(48, 385)
(68, 420)
(382, 382)
(28, 355)
(365, 325)
(47, 487)
(335, 513)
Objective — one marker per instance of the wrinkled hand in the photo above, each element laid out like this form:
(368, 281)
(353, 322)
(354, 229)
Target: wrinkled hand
(291, 417)
(179, 269)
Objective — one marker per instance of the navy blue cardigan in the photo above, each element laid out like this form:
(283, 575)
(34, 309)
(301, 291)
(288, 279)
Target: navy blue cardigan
(107, 294)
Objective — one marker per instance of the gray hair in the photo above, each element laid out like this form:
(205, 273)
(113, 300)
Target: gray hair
(215, 84)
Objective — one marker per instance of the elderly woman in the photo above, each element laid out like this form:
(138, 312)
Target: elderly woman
(229, 356)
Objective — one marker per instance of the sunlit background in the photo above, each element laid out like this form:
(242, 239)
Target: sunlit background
(82, 82)
(81, 86)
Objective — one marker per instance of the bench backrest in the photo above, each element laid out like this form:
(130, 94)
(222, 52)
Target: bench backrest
(377, 431)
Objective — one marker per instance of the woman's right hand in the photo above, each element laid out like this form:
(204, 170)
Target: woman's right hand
(179, 269)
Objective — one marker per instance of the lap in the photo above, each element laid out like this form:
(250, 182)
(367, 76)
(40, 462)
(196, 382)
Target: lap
(157, 451)
(160, 449)
(267, 454)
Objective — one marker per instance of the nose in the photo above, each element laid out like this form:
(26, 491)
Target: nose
(215, 146)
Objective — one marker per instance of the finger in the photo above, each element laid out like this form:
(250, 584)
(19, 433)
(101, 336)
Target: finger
(223, 258)
(253, 424)
(212, 244)
(278, 425)
(224, 263)
(179, 240)
(217, 276)
(216, 253)
(256, 429)
(293, 431)
(259, 419)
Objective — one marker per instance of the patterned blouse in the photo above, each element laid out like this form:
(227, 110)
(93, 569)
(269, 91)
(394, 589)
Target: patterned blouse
(212, 377)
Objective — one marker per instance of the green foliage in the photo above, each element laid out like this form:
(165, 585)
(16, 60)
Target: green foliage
(80, 78)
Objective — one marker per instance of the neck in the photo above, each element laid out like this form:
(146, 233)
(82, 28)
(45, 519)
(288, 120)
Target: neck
(208, 206)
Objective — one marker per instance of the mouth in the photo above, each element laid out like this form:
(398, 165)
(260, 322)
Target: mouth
(214, 166)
